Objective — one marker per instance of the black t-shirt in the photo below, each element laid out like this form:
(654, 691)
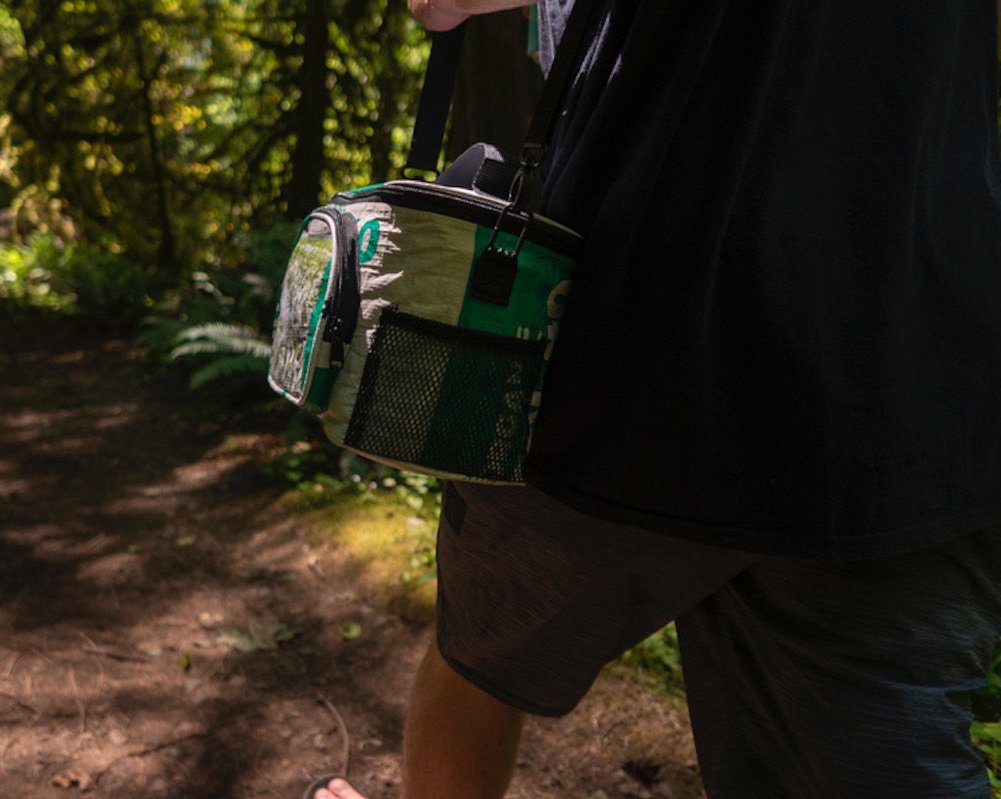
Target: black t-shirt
(785, 335)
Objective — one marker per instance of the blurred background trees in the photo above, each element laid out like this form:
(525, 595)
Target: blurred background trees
(158, 134)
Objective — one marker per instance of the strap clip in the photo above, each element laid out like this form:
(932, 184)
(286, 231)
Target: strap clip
(497, 267)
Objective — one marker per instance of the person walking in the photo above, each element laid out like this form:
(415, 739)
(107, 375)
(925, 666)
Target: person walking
(774, 411)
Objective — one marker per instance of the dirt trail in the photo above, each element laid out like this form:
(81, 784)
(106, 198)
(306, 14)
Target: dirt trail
(145, 569)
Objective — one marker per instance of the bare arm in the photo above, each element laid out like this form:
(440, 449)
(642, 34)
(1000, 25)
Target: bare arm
(442, 15)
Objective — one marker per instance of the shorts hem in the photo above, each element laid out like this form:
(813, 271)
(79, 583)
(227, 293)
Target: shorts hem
(501, 695)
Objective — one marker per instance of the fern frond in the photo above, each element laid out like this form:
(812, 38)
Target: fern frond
(214, 330)
(195, 348)
(229, 345)
(224, 367)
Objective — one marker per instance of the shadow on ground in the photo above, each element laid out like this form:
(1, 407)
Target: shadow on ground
(145, 576)
(169, 632)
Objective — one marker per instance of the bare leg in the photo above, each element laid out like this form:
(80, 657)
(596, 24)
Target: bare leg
(459, 743)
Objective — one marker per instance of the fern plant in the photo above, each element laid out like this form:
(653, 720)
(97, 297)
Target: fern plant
(228, 349)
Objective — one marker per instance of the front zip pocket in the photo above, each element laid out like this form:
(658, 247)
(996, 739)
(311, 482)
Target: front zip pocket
(318, 309)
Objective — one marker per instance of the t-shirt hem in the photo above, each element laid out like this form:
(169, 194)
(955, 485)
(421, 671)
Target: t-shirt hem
(762, 541)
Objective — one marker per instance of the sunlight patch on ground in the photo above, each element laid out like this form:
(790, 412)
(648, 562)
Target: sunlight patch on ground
(34, 535)
(181, 480)
(36, 425)
(394, 547)
(11, 486)
(196, 475)
(28, 426)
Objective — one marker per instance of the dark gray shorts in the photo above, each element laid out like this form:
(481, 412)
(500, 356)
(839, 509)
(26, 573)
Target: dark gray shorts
(804, 678)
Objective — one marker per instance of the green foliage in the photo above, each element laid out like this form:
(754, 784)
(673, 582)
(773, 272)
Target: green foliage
(318, 469)
(658, 656)
(73, 278)
(987, 738)
(223, 350)
(987, 701)
(987, 723)
(328, 479)
(164, 128)
(26, 281)
(310, 468)
(217, 327)
(258, 637)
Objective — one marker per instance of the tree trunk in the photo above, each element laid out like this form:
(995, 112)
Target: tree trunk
(392, 82)
(497, 86)
(167, 254)
(311, 80)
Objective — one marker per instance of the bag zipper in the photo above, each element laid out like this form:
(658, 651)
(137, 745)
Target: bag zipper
(344, 295)
(468, 206)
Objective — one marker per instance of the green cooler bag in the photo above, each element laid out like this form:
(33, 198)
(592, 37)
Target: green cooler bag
(416, 321)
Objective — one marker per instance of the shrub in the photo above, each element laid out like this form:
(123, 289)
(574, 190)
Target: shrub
(987, 722)
(77, 279)
(223, 350)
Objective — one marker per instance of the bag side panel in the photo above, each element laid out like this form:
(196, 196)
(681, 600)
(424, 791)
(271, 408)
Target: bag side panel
(416, 261)
(297, 316)
(537, 297)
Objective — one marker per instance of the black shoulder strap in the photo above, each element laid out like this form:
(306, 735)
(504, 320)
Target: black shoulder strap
(436, 98)
(557, 84)
(439, 80)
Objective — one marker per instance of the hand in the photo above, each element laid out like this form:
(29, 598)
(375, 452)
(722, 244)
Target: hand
(443, 15)
(436, 15)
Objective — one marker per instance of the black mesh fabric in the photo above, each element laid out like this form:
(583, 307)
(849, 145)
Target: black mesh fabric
(446, 398)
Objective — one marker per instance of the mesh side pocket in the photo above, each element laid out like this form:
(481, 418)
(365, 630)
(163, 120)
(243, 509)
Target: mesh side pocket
(446, 398)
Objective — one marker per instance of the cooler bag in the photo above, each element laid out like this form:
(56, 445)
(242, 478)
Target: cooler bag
(416, 321)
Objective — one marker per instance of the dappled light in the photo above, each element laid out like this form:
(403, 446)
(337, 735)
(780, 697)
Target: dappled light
(179, 623)
(200, 595)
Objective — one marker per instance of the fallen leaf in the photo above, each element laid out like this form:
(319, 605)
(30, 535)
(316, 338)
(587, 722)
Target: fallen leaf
(349, 632)
(74, 778)
(207, 619)
(267, 636)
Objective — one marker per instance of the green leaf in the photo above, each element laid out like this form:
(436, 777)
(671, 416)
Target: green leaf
(258, 637)
(349, 632)
(226, 367)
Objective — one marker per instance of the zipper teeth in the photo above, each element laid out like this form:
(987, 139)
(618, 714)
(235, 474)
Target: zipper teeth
(429, 190)
(473, 199)
(341, 267)
(543, 232)
(404, 193)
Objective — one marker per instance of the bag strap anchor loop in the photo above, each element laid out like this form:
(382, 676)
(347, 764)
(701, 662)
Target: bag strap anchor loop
(497, 267)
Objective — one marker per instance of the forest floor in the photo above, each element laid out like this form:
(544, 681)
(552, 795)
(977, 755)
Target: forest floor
(172, 628)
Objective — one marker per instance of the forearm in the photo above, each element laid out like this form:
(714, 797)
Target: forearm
(440, 15)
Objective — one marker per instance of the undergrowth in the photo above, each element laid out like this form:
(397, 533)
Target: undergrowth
(383, 517)
(74, 279)
(659, 660)
(986, 728)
